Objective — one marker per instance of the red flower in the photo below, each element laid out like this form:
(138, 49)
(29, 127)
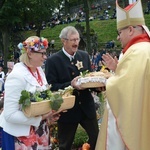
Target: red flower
(45, 43)
(29, 140)
(43, 140)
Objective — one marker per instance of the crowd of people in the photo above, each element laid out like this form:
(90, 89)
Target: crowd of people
(97, 11)
(125, 124)
(4, 75)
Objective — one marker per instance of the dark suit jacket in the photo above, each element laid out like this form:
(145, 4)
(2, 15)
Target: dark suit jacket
(59, 73)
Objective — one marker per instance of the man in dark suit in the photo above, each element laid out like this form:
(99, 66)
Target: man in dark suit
(62, 69)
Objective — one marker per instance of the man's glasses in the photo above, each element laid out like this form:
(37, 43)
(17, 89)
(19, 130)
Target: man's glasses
(120, 31)
(73, 40)
(43, 53)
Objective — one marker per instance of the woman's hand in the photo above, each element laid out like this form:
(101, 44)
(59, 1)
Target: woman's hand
(52, 116)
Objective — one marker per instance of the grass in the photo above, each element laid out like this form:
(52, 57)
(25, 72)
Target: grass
(105, 30)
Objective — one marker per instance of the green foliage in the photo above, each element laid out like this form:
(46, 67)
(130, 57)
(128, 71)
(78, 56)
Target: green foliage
(17, 12)
(101, 97)
(80, 137)
(66, 92)
(36, 96)
(27, 97)
(104, 29)
(56, 101)
(82, 74)
(102, 100)
(9, 14)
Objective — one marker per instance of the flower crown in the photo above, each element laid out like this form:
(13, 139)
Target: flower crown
(33, 44)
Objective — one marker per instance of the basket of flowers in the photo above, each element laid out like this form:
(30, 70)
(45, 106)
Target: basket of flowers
(39, 103)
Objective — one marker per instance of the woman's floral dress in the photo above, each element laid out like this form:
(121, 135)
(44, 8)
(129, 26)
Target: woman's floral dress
(37, 140)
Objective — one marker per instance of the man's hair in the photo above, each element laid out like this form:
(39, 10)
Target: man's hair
(69, 30)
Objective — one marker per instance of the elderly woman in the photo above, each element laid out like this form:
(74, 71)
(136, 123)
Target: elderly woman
(19, 131)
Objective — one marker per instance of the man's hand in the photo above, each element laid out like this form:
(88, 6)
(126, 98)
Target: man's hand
(75, 85)
(100, 89)
(109, 61)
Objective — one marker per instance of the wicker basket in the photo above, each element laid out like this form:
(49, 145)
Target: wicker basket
(37, 108)
(68, 103)
(43, 107)
(92, 85)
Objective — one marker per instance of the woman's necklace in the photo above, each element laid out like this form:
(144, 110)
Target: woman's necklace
(37, 77)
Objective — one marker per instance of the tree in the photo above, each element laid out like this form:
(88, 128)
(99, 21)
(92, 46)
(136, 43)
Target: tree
(8, 16)
(35, 12)
(17, 13)
(86, 8)
(1, 3)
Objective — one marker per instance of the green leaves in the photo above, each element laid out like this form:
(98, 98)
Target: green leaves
(55, 98)
(56, 101)
(82, 74)
(25, 99)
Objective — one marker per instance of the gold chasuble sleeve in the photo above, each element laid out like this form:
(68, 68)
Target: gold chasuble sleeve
(128, 94)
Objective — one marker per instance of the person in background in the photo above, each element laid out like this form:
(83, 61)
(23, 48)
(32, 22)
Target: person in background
(52, 44)
(126, 122)
(3, 85)
(62, 69)
(16, 56)
(1, 109)
(2, 74)
(19, 131)
(8, 72)
(2, 78)
(1, 61)
(1, 103)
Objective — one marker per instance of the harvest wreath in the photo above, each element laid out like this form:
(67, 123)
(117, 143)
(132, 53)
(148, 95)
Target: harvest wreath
(39, 103)
(93, 79)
